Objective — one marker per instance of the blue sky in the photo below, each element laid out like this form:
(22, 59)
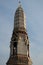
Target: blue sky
(34, 21)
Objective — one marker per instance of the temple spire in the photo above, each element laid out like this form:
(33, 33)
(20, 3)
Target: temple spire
(19, 44)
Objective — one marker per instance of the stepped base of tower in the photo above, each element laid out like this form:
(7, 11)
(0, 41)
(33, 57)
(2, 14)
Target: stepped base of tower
(18, 60)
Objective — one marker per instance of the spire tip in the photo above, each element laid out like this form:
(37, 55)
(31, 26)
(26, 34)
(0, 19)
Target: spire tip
(19, 2)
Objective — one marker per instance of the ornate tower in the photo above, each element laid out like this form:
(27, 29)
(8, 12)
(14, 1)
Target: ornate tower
(19, 45)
